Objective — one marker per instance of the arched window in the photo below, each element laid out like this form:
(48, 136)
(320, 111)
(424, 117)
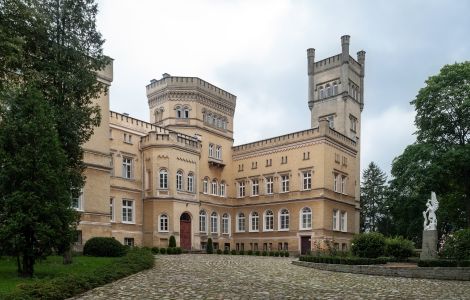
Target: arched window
(254, 221)
(179, 180)
(328, 90)
(335, 89)
(209, 118)
(225, 223)
(163, 179)
(214, 222)
(190, 184)
(284, 219)
(179, 112)
(202, 221)
(214, 187)
(186, 112)
(306, 218)
(211, 150)
(163, 223)
(205, 185)
(218, 152)
(268, 220)
(241, 222)
(222, 189)
(321, 93)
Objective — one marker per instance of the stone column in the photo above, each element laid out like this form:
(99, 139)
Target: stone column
(429, 248)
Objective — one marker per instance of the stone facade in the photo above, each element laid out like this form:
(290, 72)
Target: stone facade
(180, 174)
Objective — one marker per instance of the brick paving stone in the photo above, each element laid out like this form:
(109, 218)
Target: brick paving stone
(199, 276)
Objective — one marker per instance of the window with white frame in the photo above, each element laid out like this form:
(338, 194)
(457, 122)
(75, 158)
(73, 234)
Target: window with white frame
(202, 221)
(353, 123)
(335, 89)
(328, 90)
(163, 223)
(211, 150)
(321, 93)
(307, 180)
(269, 185)
(306, 218)
(205, 186)
(179, 112)
(225, 223)
(163, 179)
(127, 211)
(284, 183)
(127, 167)
(268, 220)
(343, 184)
(255, 187)
(336, 182)
(214, 222)
(284, 219)
(77, 202)
(179, 180)
(335, 219)
(111, 209)
(214, 185)
(343, 224)
(129, 242)
(127, 138)
(254, 221)
(222, 189)
(241, 189)
(218, 152)
(190, 184)
(186, 112)
(241, 222)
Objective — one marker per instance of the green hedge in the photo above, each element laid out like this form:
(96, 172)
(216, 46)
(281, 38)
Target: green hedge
(399, 247)
(443, 263)
(104, 247)
(370, 245)
(64, 287)
(343, 260)
(457, 245)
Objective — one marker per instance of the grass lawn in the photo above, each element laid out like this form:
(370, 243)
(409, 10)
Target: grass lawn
(50, 268)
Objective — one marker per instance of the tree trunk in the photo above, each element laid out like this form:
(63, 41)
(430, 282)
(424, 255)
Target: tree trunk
(28, 266)
(67, 256)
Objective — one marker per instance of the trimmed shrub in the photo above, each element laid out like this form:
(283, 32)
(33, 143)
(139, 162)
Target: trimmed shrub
(257, 253)
(271, 253)
(68, 286)
(342, 260)
(241, 252)
(226, 251)
(178, 250)
(210, 246)
(155, 250)
(172, 242)
(431, 263)
(104, 246)
(276, 253)
(281, 253)
(249, 252)
(162, 250)
(265, 253)
(369, 245)
(233, 252)
(399, 247)
(457, 245)
(219, 251)
(286, 254)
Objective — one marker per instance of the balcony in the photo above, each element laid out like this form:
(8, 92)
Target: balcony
(217, 163)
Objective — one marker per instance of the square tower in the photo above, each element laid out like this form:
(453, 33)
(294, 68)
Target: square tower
(336, 90)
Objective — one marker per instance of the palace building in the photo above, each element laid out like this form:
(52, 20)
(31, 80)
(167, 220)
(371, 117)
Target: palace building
(181, 175)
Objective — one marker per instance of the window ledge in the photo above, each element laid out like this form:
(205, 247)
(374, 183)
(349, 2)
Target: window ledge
(253, 231)
(164, 231)
(309, 228)
(287, 229)
(268, 230)
(126, 222)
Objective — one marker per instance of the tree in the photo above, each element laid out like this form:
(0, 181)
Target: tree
(54, 45)
(439, 160)
(373, 190)
(35, 202)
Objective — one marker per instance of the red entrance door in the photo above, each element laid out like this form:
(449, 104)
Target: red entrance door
(304, 244)
(185, 231)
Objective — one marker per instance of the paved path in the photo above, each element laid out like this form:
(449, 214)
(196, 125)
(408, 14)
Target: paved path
(248, 277)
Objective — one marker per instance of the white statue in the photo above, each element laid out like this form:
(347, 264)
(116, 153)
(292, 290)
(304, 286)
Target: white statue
(430, 220)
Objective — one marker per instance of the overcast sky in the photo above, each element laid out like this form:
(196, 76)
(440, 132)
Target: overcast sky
(257, 51)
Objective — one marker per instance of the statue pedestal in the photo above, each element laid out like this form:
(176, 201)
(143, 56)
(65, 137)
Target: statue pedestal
(429, 248)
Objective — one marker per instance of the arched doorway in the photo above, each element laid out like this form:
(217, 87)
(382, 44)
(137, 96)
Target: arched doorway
(185, 231)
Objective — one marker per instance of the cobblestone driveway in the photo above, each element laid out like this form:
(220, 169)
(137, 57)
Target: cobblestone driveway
(248, 277)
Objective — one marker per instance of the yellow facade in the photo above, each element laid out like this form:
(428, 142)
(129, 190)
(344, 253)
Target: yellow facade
(180, 174)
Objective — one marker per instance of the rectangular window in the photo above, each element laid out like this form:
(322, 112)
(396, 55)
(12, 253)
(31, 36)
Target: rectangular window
(127, 167)
(307, 180)
(222, 190)
(343, 221)
(343, 184)
(214, 188)
(129, 242)
(241, 189)
(306, 155)
(331, 121)
(205, 186)
(353, 122)
(269, 162)
(269, 185)
(284, 160)
(111, 209)
(127, 211)
(127, 138)
(284, 183)
(77, 203)
(225, 224)
(240, 168)
(336, 179)
(190, 183)
(254, 164)
(345, 161)
(254, 187)
(335, 219)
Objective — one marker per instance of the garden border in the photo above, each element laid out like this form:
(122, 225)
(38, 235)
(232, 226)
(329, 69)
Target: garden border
(441, 273)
